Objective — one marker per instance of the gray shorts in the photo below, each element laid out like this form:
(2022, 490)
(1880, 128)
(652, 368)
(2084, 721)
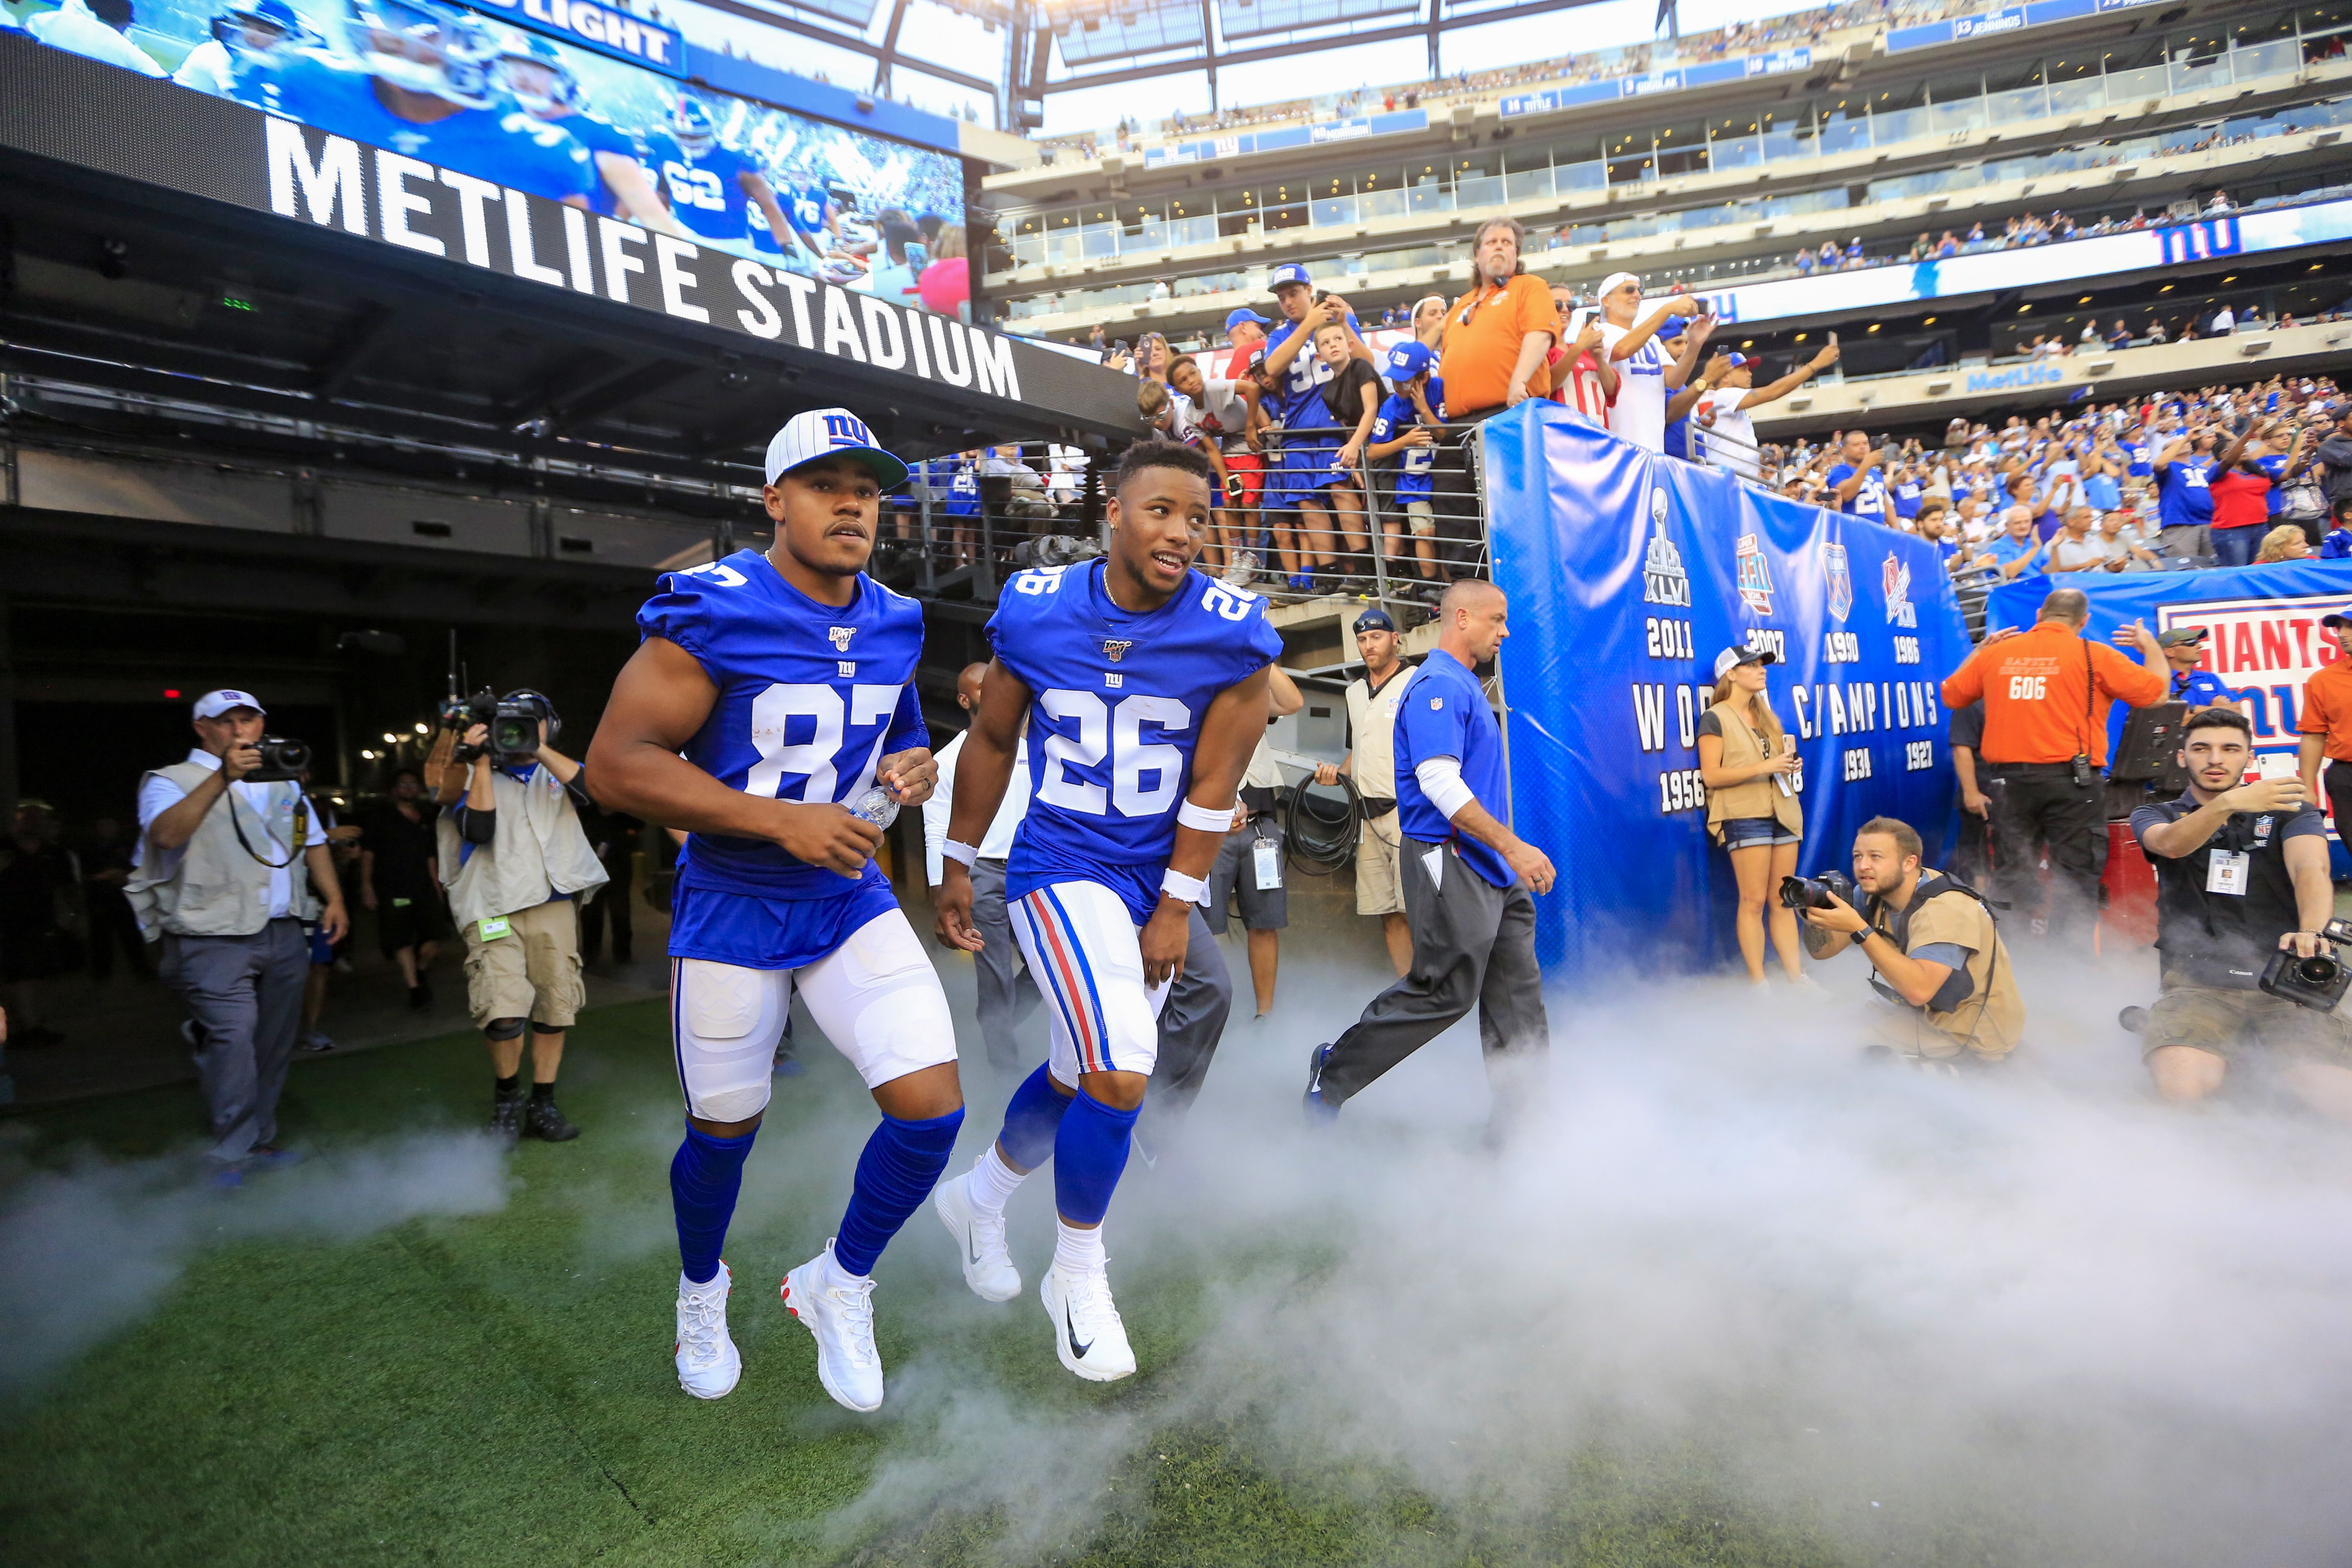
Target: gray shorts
(1234, 879)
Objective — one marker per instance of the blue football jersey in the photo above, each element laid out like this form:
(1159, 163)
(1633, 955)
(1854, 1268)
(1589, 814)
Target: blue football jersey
(811, 697)
(1413, 464)
(705, 189)
(1116, 701)
(502, 145)
(601, 136)
(804, 207)
(1297, 401)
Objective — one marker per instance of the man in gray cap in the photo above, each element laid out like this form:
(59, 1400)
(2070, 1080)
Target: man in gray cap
(230, 868)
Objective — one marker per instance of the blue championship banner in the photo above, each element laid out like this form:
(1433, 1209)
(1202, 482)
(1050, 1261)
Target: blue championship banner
(2265, 638)
(1628, 573)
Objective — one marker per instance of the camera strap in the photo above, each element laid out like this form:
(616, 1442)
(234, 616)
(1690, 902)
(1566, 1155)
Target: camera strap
(302, 831)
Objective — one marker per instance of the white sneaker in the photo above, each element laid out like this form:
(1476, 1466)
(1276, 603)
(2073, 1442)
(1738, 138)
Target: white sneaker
(708, 1366)
(838, 1310)
(1087, 1335)
(1241, 568)
(979, 1242)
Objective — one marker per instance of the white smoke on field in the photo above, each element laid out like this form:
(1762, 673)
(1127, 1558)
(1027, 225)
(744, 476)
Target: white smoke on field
(91, 1246)
(2034, 1310)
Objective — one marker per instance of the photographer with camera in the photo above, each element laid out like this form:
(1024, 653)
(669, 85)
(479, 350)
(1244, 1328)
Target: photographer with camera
(2241, 881)
(1933, 948)
(231, 865)
(518, 866)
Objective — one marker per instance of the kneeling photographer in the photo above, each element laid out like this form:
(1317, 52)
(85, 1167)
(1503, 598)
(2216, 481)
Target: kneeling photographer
(518, 866)
(231, 866)
(1934, 950)
(2244, 906)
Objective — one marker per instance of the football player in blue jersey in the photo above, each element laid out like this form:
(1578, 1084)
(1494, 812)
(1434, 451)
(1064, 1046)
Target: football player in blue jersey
(1143, 685)
(709, 184)
(811, 218)
(424, 89)
(531, 73)
(251, 40)
(771, 711)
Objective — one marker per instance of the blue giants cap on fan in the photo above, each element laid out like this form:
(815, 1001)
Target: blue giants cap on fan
(1244, 314)
(1672, 328)
(1288, 272)
(1739, 360)
(1409, 360)
(829, 432)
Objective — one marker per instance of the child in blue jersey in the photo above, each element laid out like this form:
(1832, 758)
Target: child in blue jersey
(772, 694)
(424, 89)
(1291, 377)
(2184, 501)
(1405, 430)
(1143, 685)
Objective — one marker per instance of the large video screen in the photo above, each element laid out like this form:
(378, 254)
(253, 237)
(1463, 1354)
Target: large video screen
(470, 92)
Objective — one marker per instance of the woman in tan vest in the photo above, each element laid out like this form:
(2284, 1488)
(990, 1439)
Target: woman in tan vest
(1745, 759)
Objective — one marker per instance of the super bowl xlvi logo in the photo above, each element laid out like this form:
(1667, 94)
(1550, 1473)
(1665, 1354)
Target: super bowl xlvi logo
(1755, 577)
(841, 636)
(1897, 576)
(1663, 580)
(1115, 648)
(1840, 580)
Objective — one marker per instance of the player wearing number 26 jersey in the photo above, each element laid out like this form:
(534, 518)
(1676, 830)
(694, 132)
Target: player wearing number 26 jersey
(771, 693)
(1142, 684)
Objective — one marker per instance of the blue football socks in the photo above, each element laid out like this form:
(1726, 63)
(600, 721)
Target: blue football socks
(1090, 1152)
(901, 1164)
(1032, 1118)
(704, 1175)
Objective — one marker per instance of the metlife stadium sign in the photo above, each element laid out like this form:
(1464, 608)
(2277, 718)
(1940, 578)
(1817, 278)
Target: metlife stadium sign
(2108, 255)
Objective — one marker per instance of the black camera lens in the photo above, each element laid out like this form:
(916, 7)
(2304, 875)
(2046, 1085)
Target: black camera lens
(2316, 971)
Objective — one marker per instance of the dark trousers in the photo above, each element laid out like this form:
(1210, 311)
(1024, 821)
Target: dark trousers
(1473, 945)
(612, 897)
(1969, 860)
(112, 925)
(2040, 803)
(1191, 1021)
(2337, 782)
(1005, 999)
(244, 995)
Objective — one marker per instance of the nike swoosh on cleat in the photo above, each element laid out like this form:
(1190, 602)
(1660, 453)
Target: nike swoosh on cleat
(1077, 1349)
(970, 1247)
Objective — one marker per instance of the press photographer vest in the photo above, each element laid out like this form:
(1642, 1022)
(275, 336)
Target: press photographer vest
(1978, 1002)
(2223, 940)
(540, 851)
(1743, 748)
(220, 887)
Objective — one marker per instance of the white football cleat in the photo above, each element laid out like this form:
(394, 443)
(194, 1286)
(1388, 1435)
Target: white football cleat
(980, 1243)
(1087, 1335)
(838, 1309)
(708, 1365)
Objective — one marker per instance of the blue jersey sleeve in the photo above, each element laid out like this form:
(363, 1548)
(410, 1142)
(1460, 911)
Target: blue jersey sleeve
(907, 726)
(681, 612)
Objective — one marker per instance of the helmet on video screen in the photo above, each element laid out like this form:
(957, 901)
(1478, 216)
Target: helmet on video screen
(236, 25)
(692, 125)
(531, 71)
(423, 45)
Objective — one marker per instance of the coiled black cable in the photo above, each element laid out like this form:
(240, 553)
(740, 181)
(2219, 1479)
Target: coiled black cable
(1321, 834)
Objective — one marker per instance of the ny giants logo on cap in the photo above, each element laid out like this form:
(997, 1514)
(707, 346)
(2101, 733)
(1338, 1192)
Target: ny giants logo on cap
(845, 429)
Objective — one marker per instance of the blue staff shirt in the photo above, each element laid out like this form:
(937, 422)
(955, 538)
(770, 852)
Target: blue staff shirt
(1443, 714)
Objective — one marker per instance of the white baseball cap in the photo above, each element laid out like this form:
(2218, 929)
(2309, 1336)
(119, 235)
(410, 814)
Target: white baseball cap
(829, 432)
(213, 704)
(1616, 280)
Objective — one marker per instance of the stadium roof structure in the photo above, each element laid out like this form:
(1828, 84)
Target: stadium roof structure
(1163, 38)
(144, 256)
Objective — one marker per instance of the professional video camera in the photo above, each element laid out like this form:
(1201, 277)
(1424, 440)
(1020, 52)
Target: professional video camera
(2317, 983)
(515, 723)
(1814, 892)
(282, 761)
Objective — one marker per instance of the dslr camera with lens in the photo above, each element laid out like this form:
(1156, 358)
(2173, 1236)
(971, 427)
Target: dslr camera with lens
(2317, 983)
(1814, 892)
(518, 724)
(282, 759)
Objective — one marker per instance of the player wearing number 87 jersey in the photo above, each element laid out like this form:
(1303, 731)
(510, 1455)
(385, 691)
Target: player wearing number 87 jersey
(770, 694)
(1144, 688)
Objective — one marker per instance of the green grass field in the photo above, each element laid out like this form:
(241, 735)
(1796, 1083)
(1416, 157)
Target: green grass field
(485, 1387)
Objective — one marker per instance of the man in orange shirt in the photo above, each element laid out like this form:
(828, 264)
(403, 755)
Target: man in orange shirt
(2327, 727)
(2046, 693)
(1491, 358)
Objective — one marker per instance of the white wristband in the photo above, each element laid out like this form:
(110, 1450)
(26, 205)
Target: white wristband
(962, 854)
(1182, 889)
(1204, 818)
